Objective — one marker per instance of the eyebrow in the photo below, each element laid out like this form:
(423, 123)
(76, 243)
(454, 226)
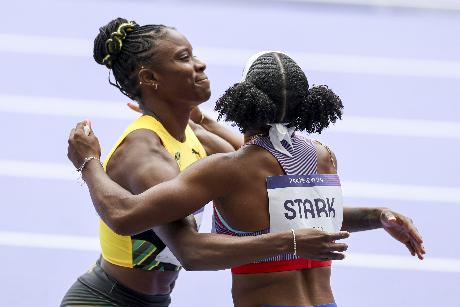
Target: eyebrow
(184, 49)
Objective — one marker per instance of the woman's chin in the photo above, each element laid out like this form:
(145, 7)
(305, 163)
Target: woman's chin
(205, 96)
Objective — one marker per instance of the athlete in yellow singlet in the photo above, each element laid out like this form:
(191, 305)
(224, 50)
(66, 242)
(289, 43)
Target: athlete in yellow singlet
(145, 250)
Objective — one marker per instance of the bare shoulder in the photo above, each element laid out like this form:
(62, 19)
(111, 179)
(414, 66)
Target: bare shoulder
(142, 140)
(327, 161)
(141, 145)
(257, 156)
(141, 153)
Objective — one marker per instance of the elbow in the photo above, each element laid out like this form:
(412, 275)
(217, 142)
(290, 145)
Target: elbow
(120, 230)
(190, 265)
(192, 262)
(120, 225)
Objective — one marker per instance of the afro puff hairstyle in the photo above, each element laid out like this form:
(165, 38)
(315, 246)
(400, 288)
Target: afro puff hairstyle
(276, 90)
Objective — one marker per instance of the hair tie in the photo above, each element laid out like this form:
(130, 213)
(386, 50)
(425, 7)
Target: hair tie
(115, 42)
(279, 132)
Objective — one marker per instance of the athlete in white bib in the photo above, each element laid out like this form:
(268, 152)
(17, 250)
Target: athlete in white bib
(288, 183)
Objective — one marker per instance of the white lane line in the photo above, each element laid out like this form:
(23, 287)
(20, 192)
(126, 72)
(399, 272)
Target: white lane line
(37, 170)
(376, 261)
(417, 4)
(47, 45)
(118, 110)
(384, 191)
(397, 127)
(66, 107)
(371, 261)
(351, 189)
(49, 241)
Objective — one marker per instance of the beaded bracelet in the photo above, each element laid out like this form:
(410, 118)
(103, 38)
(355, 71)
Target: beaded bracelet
(295, 242)
(87, 159)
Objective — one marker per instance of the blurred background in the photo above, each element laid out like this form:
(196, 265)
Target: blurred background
(395, 64)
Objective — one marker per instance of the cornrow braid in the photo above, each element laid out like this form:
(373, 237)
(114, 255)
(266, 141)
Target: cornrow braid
(282, 111)
(276, 90)
(123, 46)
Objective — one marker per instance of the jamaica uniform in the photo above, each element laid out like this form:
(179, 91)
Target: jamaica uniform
(143, 251)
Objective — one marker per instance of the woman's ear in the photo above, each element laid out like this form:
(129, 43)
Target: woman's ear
(146, 76)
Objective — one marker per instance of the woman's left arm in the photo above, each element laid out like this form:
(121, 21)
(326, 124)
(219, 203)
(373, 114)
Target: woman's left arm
(217, 137)
(397, 225)
(219, 130)
(355, 219)
(212, 143)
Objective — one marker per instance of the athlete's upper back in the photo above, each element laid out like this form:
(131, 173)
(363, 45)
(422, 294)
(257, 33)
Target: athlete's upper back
(245, 208)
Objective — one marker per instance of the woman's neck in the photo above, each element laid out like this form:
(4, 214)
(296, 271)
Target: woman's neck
(251, 134)
(175, 120)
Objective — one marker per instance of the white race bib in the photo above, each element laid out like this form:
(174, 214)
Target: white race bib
(305, 201)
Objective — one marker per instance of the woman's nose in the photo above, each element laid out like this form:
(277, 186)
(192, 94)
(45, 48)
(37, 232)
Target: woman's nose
(200, 64)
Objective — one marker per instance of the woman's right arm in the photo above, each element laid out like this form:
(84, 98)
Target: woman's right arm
(209, 251)
(128, 214)
(165, 202)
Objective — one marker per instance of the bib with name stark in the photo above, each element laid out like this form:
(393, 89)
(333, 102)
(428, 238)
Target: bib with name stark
(305, 201)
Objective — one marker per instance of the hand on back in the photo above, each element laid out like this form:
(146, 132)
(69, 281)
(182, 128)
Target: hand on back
(319, 245)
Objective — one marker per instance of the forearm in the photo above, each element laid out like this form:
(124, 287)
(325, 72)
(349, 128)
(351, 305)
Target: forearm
(109, 199)
(235, 139)
(361, 219)
(205, 251)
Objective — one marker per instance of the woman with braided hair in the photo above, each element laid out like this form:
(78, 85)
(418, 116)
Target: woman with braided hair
(278, 181)
(154, 65)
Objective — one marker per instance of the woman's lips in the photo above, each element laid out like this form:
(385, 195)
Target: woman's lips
(202, 79)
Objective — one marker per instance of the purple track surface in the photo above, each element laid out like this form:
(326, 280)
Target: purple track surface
(44, 199)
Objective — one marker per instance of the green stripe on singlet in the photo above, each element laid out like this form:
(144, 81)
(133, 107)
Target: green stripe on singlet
(142, 250)
(152, 264)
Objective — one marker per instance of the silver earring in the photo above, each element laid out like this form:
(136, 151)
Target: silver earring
(155, 85)
(140, 83)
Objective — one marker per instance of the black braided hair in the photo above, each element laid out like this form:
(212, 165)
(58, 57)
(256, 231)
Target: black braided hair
(123, 47)
(276, 90)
